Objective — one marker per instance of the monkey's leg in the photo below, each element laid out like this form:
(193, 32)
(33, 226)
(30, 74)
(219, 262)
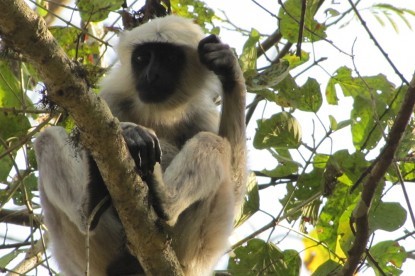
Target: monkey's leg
(195, 174)
(63, 173)
(197, 197)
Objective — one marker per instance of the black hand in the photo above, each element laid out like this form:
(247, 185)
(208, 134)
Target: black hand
(219, 58)
(144, 147)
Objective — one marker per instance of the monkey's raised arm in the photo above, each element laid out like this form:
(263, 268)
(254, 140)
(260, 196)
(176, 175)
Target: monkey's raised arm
(219, 58)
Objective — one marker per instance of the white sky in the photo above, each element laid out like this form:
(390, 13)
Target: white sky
(368, 60)
(400, 47)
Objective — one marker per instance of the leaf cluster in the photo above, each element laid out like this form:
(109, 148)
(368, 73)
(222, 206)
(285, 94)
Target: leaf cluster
(317, 198)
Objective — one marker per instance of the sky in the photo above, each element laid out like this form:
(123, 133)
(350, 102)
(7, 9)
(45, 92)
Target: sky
(367, 59)
(352, 38)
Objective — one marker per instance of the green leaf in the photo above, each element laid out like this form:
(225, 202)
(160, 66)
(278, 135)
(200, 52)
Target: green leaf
(30, 185)
(344, 232)
(358, 87)
(251, 201)
(343, 124)
(271, 76)
(198, 11)
(260, 258)
(363, 124)
(328, 224)
(333, 122)
(248, 57)
(306, 98)
(389, 256)
(308, 185)
(320, 160)
(334, 125)
(290, 17)
(387, 10)
(97, 10)
(372, 96)
(42, 7)
(6, 165)
(6, 259)
(310, 99)
(388, 216)
(286, 165)
(352, 166)
(330, 267)
(332, 12)
(282, 130)
(10, 91)
(295, 60)
(31, 157)
(331, 94)
(13, 125)
(68, 39)
(12, 96)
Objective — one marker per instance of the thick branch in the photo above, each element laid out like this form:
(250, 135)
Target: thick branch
(360, 214)
(19, 217)
(272, 40)
(34, 256)
(25, 31)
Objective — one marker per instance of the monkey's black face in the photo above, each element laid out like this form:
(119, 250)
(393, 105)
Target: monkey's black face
(157, 68)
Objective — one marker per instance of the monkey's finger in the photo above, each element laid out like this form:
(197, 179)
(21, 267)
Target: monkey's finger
(158, 151)
(134, 143)
(154, 150)
(213, 47)
(201, 49)
(209, 39)
(147, 149)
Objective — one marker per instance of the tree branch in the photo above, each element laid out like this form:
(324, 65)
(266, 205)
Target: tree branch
(384, 160)
(25, 31)
(20, 217)
(32, 259)
(270, 41)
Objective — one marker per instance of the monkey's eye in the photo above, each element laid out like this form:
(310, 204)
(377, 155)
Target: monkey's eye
(142, 59)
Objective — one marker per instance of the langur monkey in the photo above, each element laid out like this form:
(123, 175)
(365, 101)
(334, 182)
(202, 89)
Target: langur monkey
(192, 157)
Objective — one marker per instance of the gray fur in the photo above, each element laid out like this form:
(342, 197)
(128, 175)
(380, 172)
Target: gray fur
(200, 182)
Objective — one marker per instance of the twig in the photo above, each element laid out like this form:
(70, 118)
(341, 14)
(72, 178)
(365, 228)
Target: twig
(20, 217)
(24, 111)
(372, 37)
(258, 98)
(270, 41)
(274, 222)
(73, 25)
(25, 139)
(301, 27)
(32, 259)
(264, 9)
(410, 234)
(405, 192)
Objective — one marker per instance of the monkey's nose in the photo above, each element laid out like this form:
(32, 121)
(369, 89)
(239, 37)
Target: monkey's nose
(152, 76)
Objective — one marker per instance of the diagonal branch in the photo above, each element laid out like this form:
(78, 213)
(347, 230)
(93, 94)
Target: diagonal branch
(360, 214)
(373, 38)
(23, 29)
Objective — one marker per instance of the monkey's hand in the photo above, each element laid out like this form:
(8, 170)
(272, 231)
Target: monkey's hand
(219, 58)
(144, 147)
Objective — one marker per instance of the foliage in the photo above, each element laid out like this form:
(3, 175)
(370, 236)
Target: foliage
(322, 187)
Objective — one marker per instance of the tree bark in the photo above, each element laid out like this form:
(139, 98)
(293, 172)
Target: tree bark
(26, 32)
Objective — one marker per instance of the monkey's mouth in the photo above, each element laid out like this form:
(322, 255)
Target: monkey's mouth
(156, 93)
